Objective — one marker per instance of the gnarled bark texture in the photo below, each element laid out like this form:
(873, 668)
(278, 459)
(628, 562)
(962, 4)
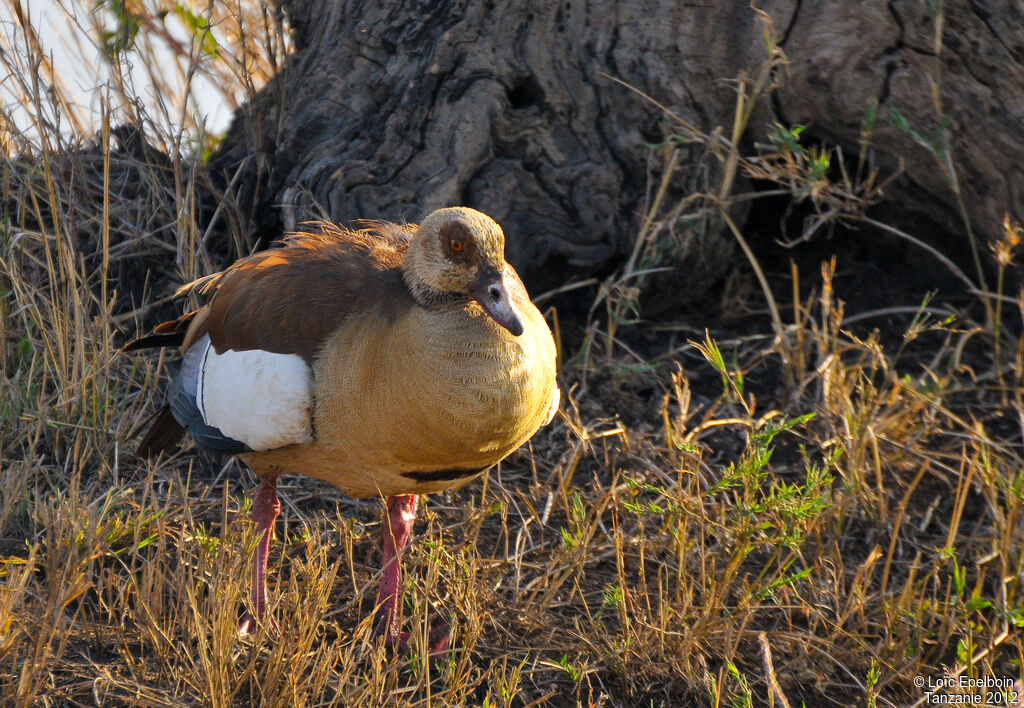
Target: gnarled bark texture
(388, 110)
(965, 95)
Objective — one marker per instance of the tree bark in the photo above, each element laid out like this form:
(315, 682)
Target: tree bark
(963, 94)
(389, 110)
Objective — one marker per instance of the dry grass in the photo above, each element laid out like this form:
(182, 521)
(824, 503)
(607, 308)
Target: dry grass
(671, 540)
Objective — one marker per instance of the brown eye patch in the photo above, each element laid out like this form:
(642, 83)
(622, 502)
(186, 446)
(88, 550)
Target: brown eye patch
(457, 243)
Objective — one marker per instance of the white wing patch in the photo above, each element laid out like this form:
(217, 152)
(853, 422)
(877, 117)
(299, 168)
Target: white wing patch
(256, 397)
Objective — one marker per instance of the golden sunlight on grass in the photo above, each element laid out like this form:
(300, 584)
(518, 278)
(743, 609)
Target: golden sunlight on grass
(808, 514)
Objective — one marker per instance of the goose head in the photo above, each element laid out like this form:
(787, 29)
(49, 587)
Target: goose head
(459, 253)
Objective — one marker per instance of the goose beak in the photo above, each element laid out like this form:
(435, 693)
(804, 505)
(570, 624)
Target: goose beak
(492, 295)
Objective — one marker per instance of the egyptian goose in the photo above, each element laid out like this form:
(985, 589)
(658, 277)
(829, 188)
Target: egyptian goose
(391, 361)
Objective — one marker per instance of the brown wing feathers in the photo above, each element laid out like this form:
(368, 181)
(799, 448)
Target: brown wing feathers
(287, 300)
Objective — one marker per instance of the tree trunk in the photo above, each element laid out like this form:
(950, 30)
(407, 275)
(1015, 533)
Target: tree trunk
(389, 110)
(950, 101)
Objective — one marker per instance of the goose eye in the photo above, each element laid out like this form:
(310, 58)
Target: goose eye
(455, 244)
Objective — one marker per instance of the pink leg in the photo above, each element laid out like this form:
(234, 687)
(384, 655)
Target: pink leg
(401, 513)
(265, 508)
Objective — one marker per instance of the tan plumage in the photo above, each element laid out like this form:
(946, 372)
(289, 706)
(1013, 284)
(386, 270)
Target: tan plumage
(390, 361)
(443, 389)
(401, 390)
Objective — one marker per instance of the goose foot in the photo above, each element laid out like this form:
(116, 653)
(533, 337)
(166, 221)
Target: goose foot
(248, 625)
(437, 641)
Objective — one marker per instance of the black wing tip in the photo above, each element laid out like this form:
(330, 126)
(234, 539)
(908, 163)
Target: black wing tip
(166, 433)
(213, 441)
(165, 334)
(153, 341)
(163, 435)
